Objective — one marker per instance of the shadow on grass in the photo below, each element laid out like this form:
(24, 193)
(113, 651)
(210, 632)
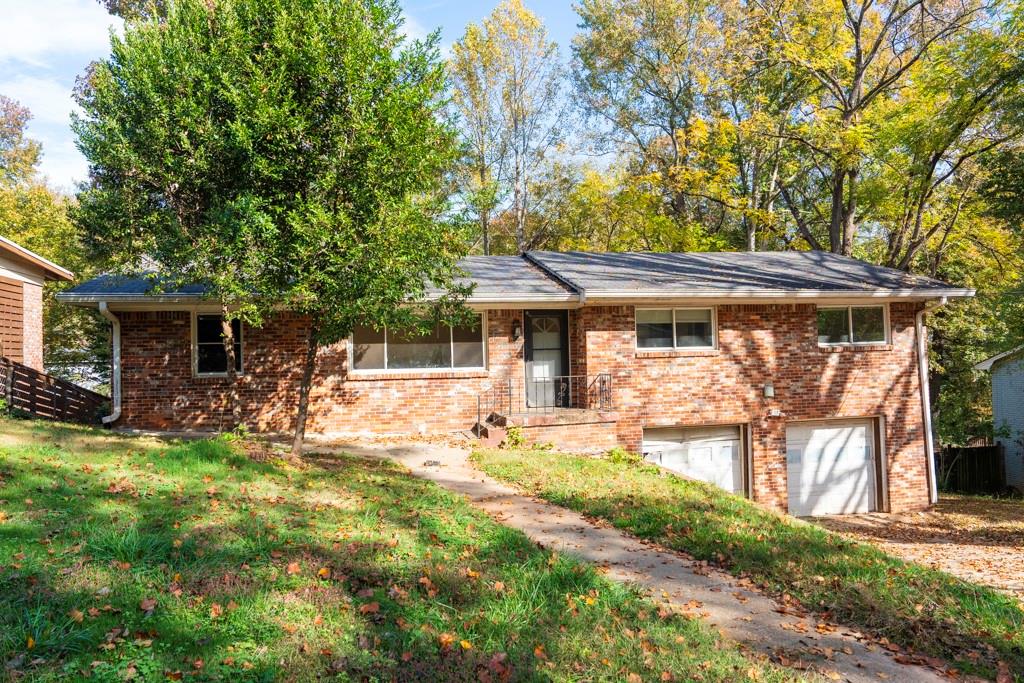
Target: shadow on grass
(920, 608)
(344, 567)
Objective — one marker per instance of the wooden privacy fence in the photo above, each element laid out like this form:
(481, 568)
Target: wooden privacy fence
(36, 393)
(975, 469)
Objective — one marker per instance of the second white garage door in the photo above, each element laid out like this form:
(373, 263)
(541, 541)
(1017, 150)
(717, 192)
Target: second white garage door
(711, 454)
(831, 467)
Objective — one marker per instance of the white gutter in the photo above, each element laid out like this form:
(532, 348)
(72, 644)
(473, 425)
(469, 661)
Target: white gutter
(750, 293)
(926, 407)
(115, 361)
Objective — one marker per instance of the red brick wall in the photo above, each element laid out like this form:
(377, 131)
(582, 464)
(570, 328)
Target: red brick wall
(32, 312)
(756, 344)
(160, 391)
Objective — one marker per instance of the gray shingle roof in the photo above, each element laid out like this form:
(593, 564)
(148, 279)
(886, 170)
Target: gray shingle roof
(123, 285)
(552, 277)
(500, 278)
(725, 272)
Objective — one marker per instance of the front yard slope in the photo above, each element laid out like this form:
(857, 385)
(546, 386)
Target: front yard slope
(898, 602)
(137, 559)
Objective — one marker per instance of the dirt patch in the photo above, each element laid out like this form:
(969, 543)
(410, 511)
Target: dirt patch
(977, 539)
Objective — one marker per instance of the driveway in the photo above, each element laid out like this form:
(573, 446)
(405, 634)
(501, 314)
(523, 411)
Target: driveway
(978, 539)
(818, 649)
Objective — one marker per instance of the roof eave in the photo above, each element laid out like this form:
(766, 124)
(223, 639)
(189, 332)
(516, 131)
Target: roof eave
(991, 361)
(50, 269)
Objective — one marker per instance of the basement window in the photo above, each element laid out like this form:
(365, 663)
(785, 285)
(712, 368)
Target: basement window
(852, 325)
(442, 348)
(211, 358)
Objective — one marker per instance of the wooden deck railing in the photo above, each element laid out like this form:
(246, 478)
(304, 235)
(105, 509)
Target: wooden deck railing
(29, 391)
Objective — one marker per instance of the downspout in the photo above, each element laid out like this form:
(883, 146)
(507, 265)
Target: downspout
(115, 362)
(926, 406)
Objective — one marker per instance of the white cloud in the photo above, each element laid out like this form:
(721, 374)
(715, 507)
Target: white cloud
(37, 31)
(49, 100)
(44, 45)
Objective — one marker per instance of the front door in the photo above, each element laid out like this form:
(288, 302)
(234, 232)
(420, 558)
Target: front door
(546, 352)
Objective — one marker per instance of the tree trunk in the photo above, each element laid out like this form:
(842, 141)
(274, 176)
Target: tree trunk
(304, 390)
(519, 203)
(835, 225)
(484, 231)
(227, 334)
(849, 212)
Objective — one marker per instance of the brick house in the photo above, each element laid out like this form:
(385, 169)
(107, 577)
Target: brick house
(791, 377)
(22, 276)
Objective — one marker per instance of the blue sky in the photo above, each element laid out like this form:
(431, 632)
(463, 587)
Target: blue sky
(46, 44)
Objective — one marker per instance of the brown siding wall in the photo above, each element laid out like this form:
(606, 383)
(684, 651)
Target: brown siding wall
(12, 319)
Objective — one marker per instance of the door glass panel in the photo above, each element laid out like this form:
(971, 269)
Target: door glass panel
(544, 364)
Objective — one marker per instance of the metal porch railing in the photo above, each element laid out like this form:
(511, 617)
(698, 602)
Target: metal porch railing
(546, 395)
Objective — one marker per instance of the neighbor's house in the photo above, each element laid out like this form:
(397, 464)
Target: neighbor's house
(22, 276)
(1008, 409)
(792, 377)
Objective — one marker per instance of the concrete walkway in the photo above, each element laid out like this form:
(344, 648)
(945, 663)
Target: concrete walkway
(671, 579)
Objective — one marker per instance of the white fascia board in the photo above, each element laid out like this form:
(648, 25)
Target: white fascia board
(989, 362)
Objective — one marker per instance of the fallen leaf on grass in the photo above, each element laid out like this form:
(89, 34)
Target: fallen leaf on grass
(147, 604)
(293, 568)
(369, 608)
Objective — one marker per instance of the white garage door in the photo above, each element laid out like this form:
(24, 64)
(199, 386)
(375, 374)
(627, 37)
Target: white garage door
(831, 467)
(711, 454)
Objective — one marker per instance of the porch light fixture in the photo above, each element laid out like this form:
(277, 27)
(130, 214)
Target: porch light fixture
(517, 330)
(769, 390)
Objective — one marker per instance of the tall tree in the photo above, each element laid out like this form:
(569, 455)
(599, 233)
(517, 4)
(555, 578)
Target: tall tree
(507, 78)
(861, 55)
(19, 154)
(477, 109)
(75, 344)
(643, 71)
(283, 152)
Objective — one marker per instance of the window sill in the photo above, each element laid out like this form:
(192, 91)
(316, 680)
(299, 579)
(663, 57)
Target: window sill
(214, 376)
(853, 348)
(384, 375)
(676, 353)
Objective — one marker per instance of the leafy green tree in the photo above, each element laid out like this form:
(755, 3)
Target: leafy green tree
(507, 87)
(284, 152)
(75, 343)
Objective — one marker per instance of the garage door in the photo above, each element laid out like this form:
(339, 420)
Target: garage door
(831, 467)
(711, 454)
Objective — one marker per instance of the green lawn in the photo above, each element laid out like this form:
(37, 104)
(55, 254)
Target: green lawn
(853, 583)
(126, 558)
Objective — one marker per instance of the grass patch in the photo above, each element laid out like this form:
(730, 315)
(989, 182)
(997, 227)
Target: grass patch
(129, 558)
(854, 583)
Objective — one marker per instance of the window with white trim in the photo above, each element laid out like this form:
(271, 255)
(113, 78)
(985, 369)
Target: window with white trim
(211, 357)
(443, 348)
(850, 325)
(675, 328)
